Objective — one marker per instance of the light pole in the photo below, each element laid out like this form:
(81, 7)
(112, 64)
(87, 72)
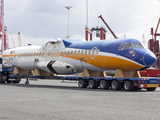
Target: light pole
(86, 13)
(68, 7)
(2, 26)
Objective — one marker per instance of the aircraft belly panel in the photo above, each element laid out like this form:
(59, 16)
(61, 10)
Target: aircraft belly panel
(25, 63)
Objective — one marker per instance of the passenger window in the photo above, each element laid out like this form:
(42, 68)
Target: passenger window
(61, 53)
(82, 52)
(85, 52)
(71, 52)
(58, 54)
(78, 52)
(74, 52)
(68, 53)
(55, 53)
(64, 53)
(49, 54)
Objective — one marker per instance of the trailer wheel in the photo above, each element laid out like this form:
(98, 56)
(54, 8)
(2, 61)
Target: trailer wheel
(8, 81)
(115, 85)
(151, 89)
(82, 83)
(104, 84)
(17, 80)
(136, 88)
(128, 86)
(92, 84)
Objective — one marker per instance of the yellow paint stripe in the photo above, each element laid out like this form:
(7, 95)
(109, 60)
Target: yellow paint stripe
(152, 85)
(111, 62)
(100, 61)
(12, 55)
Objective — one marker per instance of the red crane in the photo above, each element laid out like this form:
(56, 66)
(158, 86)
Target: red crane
(5, 42)
(108, 26)
(153, 44)
(102, 31)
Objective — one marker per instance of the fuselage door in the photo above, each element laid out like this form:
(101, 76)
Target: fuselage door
(93, 52)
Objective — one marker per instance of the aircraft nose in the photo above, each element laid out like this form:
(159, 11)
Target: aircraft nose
(149, 59)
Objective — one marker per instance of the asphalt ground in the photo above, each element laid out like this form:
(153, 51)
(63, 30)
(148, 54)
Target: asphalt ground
(53, 100)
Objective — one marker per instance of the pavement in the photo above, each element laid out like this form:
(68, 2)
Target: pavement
(57, 100)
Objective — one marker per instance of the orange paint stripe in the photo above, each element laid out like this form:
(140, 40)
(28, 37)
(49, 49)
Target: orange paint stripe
(111, 62)
(100, 61)
(12, 55)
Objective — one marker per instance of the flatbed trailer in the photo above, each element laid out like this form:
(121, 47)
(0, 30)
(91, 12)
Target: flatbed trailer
(127, 84)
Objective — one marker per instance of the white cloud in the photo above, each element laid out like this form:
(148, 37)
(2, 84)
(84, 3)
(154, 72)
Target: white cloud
(40, 20)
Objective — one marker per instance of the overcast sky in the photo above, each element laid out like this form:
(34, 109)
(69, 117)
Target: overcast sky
(41, 20)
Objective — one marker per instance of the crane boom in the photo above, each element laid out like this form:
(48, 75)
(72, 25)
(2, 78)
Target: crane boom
(108, 26)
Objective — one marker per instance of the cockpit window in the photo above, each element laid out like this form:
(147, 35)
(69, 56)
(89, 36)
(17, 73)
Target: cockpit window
(137, 45)
(125, 46)
(128, 45)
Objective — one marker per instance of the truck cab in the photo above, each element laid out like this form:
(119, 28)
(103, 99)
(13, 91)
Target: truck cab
(5, 70)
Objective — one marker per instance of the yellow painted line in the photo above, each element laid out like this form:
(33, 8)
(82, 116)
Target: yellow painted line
(99, 61)
(111, 62)
(152, 85)
(12, 55)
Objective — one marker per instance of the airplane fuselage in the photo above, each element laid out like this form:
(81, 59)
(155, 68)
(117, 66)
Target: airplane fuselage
(63, 56)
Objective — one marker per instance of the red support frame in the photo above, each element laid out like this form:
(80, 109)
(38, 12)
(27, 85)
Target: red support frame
(88, 31)
(102, 34)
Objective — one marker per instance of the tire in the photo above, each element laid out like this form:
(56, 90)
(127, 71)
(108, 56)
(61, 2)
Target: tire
(93, 84)
(82, 83)
(8, 81)
(1, 78)
(151, 89)
(17, 80)
(137, 89)
(128, 86)
(115, 85)
(104, 84)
